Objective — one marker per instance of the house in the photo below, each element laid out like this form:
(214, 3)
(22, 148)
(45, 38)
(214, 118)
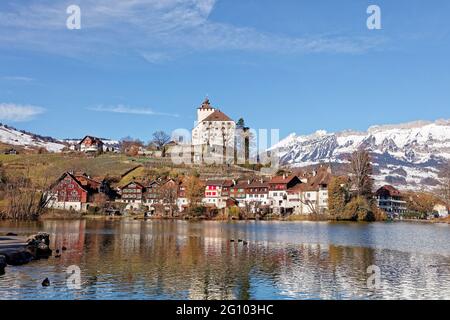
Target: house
(257, 191)
(390, 200)
(238, 192)
(441, 210)
(213, 129)
(90, 144)
(75, 192)
(311, 195)
(217, 192)
(151, 193)
(132, 195)
(278, 192)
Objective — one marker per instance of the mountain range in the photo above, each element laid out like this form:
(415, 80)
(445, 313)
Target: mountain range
(407, 155)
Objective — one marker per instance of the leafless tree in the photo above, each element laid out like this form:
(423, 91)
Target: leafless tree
(160, 139)
(168, 194)
(130, 146)
(312, 206)
(25, 201)
(360, 172)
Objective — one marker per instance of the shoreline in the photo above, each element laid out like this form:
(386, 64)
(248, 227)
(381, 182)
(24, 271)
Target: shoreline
(72, 216)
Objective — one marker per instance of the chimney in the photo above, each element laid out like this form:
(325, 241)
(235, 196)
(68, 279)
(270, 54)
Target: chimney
(284, 176)
(248, 181)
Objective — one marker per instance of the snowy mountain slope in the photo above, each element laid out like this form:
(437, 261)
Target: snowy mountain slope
(12, 136)
(407, 155)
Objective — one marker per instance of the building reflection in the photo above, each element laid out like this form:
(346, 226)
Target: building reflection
(180, 260)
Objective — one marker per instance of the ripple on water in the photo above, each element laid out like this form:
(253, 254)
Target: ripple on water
(181, 260)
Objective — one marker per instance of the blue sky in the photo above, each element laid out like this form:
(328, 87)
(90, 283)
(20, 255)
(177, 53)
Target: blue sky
(143, 65)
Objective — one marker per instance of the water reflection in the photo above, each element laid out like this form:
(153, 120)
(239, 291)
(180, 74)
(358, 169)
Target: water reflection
(181, 260)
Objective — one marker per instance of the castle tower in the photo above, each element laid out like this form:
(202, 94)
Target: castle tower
(204, 110)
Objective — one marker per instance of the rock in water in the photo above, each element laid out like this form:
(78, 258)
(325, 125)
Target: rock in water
(46, 282)
(18, 258)
(2, 264)
(11, 234)
(38, 245)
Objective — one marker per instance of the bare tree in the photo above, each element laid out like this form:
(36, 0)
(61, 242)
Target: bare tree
(195, 191)
(25, 201)
(130, 146)
(168, 194)
(160, 139)
(311, 205)
(361, 171)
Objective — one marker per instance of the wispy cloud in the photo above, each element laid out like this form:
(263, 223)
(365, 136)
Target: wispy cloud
(17, 78)
(19, 113)
(131, 110)
(154, 29)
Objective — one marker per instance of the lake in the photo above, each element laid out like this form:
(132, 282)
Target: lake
(136, 259)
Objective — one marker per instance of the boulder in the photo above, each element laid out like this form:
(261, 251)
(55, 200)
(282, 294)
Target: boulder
(40, 237)
(38, 245)
(2, 264)
(18, 258)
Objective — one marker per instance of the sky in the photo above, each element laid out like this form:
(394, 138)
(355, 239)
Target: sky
(137, 66)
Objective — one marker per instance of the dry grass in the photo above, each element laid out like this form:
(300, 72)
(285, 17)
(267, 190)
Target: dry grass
(43, 169)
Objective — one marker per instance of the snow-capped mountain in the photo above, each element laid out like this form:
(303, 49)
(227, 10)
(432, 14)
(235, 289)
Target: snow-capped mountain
(28, 140)
(407, 155)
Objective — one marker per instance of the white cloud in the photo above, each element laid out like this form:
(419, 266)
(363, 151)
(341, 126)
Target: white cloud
(168, 27)
(17, 78)
(17, 112)
(131, 110)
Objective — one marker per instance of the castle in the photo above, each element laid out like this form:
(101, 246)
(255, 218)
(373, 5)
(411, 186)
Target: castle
(213, 127)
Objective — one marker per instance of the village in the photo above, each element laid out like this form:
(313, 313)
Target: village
(291, 194)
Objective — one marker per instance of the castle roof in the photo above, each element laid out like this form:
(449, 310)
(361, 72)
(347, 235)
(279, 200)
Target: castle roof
(217, 116)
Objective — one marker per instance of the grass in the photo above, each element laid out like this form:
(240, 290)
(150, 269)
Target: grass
(43, 169)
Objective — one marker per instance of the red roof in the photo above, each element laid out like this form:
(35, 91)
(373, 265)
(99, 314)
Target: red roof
(389, 190)
(217, 116)
(282, 179)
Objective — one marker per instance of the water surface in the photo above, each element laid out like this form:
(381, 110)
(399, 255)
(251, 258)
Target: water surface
(130, 259)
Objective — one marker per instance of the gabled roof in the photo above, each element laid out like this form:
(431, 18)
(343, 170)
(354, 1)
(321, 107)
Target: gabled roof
(388, 189)
(94, 139)
(217, 116)
(282, 179)
(71, 176)
(135, 182)
(226, 183)
(258, 184)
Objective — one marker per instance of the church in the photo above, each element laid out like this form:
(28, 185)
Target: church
(213, 127)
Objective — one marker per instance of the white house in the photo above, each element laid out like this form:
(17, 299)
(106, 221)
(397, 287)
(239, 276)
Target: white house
(213, 129)
(278, 192)
(441, 210)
